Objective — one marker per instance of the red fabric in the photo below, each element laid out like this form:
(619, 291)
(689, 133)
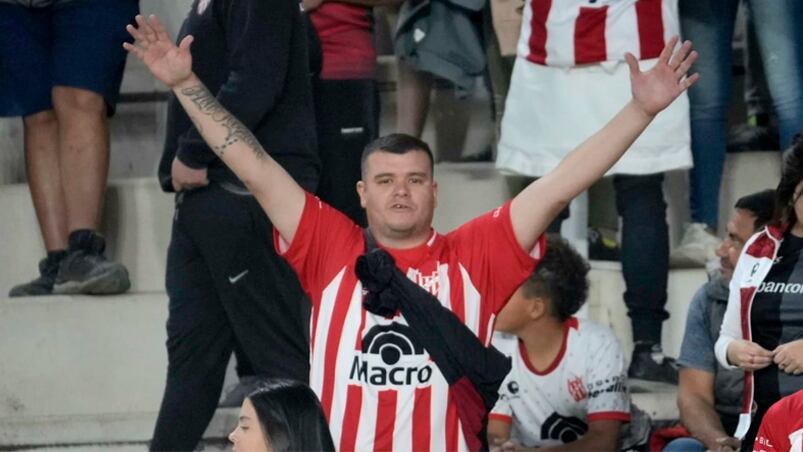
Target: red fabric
(609, 416)
(661, 437)
(782, 426)
(538, 34)
(347, 40)
(470, 410)
(649, 15)
(589, 35)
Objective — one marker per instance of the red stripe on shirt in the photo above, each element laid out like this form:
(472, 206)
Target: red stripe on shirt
(589, 35)
(421, 419)
(540, 10)
(457, 293)
(747, 294)
(348, 434)
(343, 300)
(385, 420)
(452, 423)
(650, 28)
(623, 416)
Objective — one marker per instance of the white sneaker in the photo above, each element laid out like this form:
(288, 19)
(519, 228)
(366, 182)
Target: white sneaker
(697, 247)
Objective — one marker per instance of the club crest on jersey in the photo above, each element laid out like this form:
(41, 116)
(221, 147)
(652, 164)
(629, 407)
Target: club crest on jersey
(577, 389)
(431, 283)
(390, 358)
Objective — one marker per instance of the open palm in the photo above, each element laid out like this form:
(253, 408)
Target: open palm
(169, 63)
(655, 89)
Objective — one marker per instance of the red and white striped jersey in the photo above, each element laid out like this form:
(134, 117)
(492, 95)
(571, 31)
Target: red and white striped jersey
(573, 32)
(378, 387)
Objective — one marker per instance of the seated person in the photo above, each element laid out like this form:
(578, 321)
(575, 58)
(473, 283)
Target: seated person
(281, 415)
(567, 389)
(710, 396)
(782, 426)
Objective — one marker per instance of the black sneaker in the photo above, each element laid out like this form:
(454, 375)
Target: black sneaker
(86, 270)
(43, 285)
(747, 138)
(600, 247)
(650, 366)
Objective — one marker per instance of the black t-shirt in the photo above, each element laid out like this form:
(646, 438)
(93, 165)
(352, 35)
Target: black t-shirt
(776, 318)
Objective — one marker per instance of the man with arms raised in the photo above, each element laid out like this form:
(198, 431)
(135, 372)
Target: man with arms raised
(378, 388)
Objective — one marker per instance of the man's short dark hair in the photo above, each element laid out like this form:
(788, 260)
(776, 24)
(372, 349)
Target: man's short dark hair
(561, 277)
(760, 204)
(397, 143)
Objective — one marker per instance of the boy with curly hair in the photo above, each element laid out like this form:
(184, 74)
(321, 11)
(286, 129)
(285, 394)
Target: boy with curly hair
(567, 388)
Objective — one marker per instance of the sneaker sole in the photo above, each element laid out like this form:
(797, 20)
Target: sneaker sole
(114, 282)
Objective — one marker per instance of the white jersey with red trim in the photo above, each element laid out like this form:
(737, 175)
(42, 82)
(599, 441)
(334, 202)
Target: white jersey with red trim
(573, 32)
(586, 382)
(378, 387)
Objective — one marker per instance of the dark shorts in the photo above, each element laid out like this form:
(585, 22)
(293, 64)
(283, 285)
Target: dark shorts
(76, 44)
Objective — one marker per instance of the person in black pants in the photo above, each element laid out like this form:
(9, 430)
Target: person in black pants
(225, 283)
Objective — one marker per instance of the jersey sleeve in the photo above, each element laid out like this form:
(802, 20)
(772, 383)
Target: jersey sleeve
(770, 437)
(325, 242)
(731, 329)
(493, 257)
(697, 348)
(502, 410)
(606, 382)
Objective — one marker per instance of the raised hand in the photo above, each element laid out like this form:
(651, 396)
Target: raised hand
(655, 89)
(169, 63)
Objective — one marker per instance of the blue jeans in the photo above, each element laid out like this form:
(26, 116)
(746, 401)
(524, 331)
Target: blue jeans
(709, 24)
(685, 445)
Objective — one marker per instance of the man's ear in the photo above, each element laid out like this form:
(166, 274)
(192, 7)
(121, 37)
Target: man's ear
(435, 194)
(361, 192)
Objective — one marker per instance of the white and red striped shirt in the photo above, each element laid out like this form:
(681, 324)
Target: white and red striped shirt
(379, 389)
(568, 33)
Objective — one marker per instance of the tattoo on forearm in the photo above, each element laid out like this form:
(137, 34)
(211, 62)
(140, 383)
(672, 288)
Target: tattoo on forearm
(210, 106)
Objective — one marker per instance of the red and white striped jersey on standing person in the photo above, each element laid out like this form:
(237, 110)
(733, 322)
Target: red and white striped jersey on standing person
(569, 33)
(379, 388)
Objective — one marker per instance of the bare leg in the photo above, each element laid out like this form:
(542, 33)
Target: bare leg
(84, 153)
(44, 177)
(412, 99)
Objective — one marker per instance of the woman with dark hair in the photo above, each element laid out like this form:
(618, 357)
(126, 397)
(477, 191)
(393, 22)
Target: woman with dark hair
(282, 415)
(762, 331)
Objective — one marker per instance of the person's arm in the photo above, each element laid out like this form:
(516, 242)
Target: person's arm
(602, 435)
(697, 413)
(498, 433)
(536, 206)
(278, 194)
(258, 53)
(731, 349)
